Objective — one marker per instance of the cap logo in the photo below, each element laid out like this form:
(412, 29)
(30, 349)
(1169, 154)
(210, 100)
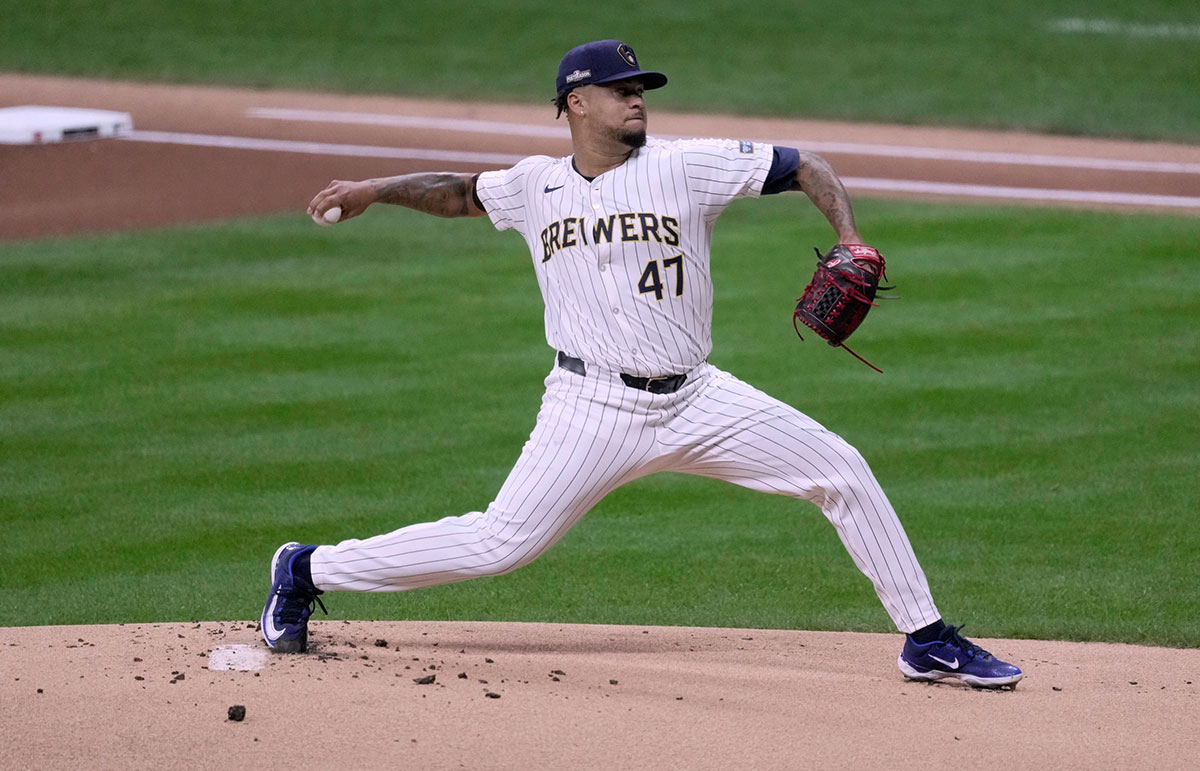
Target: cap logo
(626, 53)
(579, 75)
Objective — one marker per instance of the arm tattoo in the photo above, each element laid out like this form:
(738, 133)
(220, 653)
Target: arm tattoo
(819, 182)
(446, 195)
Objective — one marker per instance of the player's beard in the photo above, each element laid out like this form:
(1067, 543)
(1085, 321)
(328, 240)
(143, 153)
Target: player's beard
(633, 139)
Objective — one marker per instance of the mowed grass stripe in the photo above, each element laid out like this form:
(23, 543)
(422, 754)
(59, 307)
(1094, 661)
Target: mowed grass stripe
(948, 62)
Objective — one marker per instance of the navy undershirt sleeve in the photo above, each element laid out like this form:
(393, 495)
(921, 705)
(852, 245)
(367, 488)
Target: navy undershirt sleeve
(475, 194)
(783, 170)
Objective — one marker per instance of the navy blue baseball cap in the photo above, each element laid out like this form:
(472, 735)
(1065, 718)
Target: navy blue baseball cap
(602, 61)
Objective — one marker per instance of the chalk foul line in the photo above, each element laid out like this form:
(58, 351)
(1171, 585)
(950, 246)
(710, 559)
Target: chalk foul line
(502, 128)
(501, 160)
(318, 148)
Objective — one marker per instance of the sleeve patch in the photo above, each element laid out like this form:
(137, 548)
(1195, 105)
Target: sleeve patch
(747, 148)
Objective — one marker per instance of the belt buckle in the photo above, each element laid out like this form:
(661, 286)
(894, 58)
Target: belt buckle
(657, 385)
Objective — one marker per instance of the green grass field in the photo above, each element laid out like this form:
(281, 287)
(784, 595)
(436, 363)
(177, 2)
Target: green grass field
(960, 62)
(174, 404)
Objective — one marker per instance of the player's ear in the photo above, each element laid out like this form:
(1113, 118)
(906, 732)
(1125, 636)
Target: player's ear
(575, 103)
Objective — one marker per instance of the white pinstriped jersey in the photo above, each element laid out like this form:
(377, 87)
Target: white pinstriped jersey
(623, 260)
(623, 265)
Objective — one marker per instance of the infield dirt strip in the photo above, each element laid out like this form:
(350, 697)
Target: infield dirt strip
(200, 153)
(543, 696)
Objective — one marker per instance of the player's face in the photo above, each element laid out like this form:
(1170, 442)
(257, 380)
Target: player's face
(620, 111)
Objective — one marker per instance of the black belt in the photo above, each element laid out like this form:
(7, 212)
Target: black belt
(668, 384)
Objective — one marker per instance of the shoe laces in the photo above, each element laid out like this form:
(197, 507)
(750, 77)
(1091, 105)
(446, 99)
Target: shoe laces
(296, 609)
(972, 651)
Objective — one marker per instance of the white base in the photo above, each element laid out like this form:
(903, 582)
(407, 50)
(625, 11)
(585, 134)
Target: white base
(35, 125)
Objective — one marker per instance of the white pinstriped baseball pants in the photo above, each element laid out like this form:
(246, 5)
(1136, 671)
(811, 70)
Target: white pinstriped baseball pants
(594, 434)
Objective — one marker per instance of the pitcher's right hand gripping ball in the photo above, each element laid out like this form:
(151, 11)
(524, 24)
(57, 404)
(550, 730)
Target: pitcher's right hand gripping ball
(841, 293)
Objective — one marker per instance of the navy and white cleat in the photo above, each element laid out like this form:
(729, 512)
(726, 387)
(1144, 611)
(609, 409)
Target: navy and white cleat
(953, 655)
(290, 603)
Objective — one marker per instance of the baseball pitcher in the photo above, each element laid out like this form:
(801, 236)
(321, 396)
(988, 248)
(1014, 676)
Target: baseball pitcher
(619, 235)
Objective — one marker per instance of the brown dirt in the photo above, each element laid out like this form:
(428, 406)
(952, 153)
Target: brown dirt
(113, 698)
(142, 696)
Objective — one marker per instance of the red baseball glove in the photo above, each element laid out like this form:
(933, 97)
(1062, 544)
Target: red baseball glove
(841, 293)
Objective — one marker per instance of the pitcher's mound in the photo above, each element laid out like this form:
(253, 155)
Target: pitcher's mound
(449, 695)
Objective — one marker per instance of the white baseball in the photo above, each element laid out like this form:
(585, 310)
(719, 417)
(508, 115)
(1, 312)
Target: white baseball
(333, 215)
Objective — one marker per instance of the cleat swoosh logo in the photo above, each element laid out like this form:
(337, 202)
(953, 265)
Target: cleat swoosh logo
(268, 620)
(552, 189)
(951, 664)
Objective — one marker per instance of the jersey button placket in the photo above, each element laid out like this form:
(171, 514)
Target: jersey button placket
(610, 279)
(597, 206)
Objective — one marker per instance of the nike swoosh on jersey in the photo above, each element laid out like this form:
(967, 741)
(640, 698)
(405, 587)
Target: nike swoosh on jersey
(552, 189)
(952, 664)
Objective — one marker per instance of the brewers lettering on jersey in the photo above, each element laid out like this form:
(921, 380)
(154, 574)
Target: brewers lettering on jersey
(619, 236)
